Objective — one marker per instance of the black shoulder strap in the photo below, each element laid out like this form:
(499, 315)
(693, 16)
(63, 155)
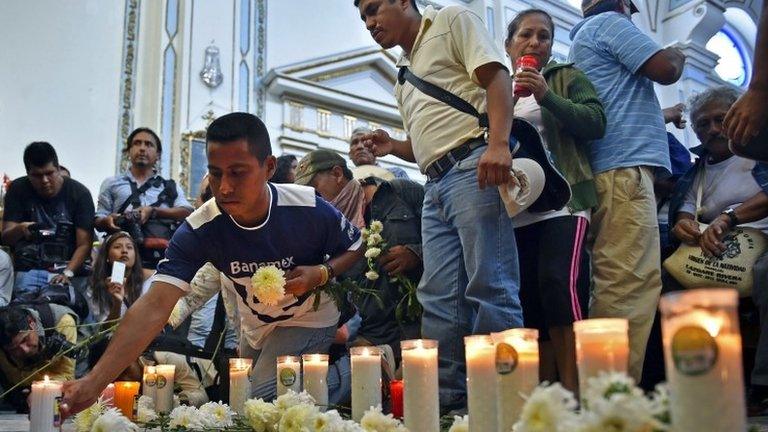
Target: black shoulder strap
(135, 192)
(442, 95)
(219, 320)
(168, 195)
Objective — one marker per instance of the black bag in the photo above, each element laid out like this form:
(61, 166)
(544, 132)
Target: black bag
(63, 295)
(524, 142)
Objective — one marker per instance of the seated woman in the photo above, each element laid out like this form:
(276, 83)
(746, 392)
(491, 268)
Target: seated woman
(554, 267)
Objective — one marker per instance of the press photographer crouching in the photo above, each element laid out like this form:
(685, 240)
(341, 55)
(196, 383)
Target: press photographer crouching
(30, 338)
(141, 202)
(48, 223)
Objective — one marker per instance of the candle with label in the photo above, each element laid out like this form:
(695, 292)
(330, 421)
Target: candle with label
(44, 406)
(366, 380)
(517, 366)
(239, 383)
(482, 391)
(602, 345)
(421, 404)
(288, 374)
(164, 386)
(149, 383)
(125, 393)
(315, 374)
(702, 354)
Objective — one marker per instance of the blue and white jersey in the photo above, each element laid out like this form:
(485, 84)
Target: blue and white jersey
(300, 229)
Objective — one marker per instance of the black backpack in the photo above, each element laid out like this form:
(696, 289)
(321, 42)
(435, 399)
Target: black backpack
(63, 295)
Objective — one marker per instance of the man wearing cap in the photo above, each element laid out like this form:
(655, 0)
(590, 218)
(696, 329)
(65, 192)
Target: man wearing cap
(397, 204)
(365, 161)
(471, 281)
(623, 63)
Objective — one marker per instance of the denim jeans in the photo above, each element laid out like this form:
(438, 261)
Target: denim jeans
(471, 278)
(31, 281)
(297, 341)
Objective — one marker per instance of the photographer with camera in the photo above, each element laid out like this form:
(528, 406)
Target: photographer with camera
(30, 337)
(48, 223)
(141, 202)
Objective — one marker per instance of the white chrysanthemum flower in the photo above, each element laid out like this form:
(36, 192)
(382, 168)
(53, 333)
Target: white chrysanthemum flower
(291, 399)
(186, 416)
(373, 252)
(217, 414)
(376, 226)
(371, 275)
(145, 414)
(261, 416)
(331, 421)
(374, 240)
(84, 419)
(660, 404)
(607, 384)
(299, 418)
(547, 409)
(621, 413)
(365, 232)
(112, 420)
(268, 285)
(460, 424)
(375, 421)
(146, 402)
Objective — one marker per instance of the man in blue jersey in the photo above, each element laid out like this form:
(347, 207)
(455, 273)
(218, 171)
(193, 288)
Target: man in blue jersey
(249, 224)
(623, 63)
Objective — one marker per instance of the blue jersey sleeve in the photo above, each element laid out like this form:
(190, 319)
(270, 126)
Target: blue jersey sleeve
(627, 43)
(341, 235)
(183, 258)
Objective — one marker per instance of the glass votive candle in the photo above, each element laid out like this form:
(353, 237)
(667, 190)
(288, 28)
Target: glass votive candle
(602, 345)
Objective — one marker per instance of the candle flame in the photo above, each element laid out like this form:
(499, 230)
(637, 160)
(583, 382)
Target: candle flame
(46, 379)
(712, 325)
(316, 357)
(365, 352)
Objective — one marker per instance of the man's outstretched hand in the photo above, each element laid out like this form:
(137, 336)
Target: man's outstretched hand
(77, 396)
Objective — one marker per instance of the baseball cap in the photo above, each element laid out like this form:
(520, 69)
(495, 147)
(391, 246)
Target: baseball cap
(317, 161)
(587, 6)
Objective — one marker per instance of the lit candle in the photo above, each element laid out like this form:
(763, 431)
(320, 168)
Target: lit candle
(44, 402)
(125, 393)
(288, 374)
(315, 375)
(164, 386)
(239, 383)
(421, 404)
(149, 383)
(702, 353)
(396, 398)
(108, 395)
(482, 391)
(517, 363)
(602, 345)
(366, 380)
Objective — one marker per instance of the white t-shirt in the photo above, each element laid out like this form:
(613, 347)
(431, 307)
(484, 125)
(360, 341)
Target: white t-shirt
(530, 110)
(727, 184)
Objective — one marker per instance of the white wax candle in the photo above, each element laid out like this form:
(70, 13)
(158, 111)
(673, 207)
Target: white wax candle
(288, 375)
(482, 391)
(315, 375)
(149, 383)
(164, 385)
(239, 383)
(44, 402)
(421, 403)
(366, 380)
(602, 345)
(702, 353)
(517, 362)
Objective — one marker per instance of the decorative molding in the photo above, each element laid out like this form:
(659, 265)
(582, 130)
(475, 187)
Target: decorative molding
(128, 79)
(260, 56)
(169, 84)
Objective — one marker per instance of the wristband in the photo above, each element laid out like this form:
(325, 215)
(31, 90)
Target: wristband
(331, 272)
(732, 219)
(324, 275)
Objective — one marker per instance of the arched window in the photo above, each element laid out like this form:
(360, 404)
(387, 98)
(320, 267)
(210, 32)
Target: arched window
(733, 65)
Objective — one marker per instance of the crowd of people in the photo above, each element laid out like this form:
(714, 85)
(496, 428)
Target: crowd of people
(463, 254)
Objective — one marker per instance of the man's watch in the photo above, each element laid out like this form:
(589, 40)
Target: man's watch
(732, 219)
(68, 273)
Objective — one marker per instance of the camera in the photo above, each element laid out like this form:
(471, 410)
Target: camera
(130, 222)
(54, 246)
(56, 344)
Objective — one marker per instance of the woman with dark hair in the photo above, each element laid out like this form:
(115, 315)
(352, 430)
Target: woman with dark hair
(554, 267)
(108, 299)
(285, 172)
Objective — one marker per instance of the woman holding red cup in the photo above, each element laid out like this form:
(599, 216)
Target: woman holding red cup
(561, 102)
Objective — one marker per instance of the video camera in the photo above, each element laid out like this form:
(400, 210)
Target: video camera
(130, 222)
(54, 245)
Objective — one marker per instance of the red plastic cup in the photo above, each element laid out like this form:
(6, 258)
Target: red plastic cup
(396, 395)
(526, 61)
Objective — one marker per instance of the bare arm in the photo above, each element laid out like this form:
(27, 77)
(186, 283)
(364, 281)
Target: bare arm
(175, 213)
(139, 326)
(493, 167)
(381, 144)
(665, 67)
(84, 241)
(15, 231)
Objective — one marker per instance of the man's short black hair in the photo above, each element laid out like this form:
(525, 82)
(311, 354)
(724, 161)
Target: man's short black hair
(13, 320)
(239, 125)
(413, 3)
(39, 154)
(129, 140)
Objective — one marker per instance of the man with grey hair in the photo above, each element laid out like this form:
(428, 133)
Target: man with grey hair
(365, 161)
(734, 191)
